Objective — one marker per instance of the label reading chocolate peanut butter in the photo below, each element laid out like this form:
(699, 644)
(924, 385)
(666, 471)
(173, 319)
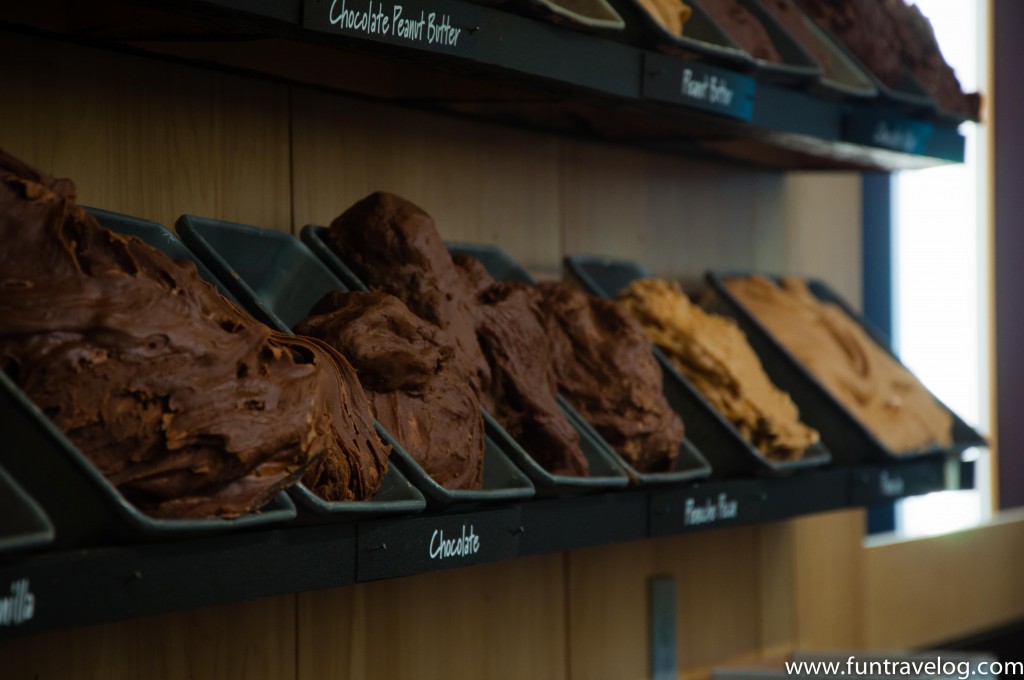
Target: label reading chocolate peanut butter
(390, 548)
(412, 23)
(677, 81)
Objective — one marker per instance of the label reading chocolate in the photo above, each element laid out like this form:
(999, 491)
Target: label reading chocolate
(463, 546)
(402, 547)
(904, 135)
(414, 23)
(19, 606)
(677, 81)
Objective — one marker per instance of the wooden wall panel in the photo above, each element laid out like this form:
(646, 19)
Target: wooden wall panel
(716, 603)
(492, 622)
(677, 217)
(244, 641)
(479, 182)
(823, 230)
(828, 580)
(148, 138)
(940, 588)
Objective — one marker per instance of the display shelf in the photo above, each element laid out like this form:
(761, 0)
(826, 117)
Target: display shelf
(487, 63)
(66, 588)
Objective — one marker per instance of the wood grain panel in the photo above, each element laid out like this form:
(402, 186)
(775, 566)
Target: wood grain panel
(244, 641)
(828, 580)
(148, 138)
(943, 587)
(678, 217)
(823, 230)
(495, 621)
(480, 183)
(716, 605)
(777, 585)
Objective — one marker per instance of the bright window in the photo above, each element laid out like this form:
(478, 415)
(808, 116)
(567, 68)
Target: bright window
(941, 266)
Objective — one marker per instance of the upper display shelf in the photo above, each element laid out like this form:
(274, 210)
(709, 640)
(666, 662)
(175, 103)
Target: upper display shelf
(684, 95)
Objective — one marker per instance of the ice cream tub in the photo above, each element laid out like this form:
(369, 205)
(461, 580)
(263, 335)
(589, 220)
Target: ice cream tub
(395, 496)
(702, 37)
(23, 523)
(83, 505)
(605, 470)
(796, 64)
(690, 465)
(729, 453)
(840, 77)
(850, 441)
(160, 238)
(275, 273)
(595, 16)
(908, 95)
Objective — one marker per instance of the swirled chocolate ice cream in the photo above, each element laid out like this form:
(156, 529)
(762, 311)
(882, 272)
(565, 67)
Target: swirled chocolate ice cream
(606, 370)
(405, 366)
(188, 406)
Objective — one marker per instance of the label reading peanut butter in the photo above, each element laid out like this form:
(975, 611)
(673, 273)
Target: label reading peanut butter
(674, 80)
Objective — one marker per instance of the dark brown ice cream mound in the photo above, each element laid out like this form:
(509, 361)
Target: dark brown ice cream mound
(743, 27)
(510, 326)
(405, 365)
(607, 371)
(500, 347)
(888, 36)
(190, 407)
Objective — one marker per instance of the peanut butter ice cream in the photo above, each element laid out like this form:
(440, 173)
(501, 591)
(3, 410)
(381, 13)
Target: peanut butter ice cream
(880, 392)
(713, 353)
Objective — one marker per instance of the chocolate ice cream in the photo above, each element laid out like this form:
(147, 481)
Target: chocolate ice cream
(743, 27)
(190, 407)
(394, 247)
(524, 385)
(714, 354)
(606, 370)
(499, 340)
(405, 365)
(866, 29)
(888, 36)
(923, 58)
(880, 392)
(792, 20)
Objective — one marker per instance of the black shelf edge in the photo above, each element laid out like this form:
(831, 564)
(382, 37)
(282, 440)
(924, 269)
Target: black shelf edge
(493, 65)
(47, 591)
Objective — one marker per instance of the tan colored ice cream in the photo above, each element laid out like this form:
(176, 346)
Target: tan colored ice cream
(714, 354)
(879, 391)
